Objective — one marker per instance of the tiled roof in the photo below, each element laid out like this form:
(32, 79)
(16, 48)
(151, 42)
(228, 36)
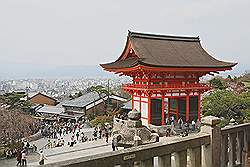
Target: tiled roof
(167, 51)
(51, 110)
(83, 100)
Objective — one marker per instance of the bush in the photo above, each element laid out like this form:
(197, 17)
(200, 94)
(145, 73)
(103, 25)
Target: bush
(101, 120)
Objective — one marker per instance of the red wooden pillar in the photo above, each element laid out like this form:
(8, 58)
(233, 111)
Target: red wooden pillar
(162, 110)
(177, 110)
(133, 107)
(199, 107)
(149, 110)
(168, 108)
(140, 103)
(187, 107)
(133, 101)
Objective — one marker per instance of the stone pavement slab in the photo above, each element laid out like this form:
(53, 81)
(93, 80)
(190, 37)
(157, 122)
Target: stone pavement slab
(77, 147)
(75, 154)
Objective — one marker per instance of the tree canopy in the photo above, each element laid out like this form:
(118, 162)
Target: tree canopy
(226, 104)
(15, 101)
(217, 83)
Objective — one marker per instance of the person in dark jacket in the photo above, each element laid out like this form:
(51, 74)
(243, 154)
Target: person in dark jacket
(18, 157)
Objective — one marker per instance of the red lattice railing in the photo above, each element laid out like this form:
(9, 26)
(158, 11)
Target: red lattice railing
(198, 86)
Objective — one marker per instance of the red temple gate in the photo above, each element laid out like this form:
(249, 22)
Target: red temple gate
(166, 73)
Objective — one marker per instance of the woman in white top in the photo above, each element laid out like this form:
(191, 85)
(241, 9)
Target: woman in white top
(24, 158)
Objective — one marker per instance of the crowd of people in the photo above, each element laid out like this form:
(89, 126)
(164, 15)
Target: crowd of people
(20, 153)
(102, 132)
(56, 133)
(184, 127)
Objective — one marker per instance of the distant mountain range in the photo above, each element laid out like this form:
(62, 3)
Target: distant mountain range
(24, 71)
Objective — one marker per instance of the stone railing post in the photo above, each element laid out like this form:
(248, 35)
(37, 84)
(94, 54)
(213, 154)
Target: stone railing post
(246, 146)
(147, 162)
(180, 158)
(195, 157)
(211, 153)
(164, 161)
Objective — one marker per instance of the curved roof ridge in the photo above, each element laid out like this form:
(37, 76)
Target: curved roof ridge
(163, 37)
(166, 51)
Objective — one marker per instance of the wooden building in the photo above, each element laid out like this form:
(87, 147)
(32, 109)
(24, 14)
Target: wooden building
(91, 103)
(40, 98)
(166, 73)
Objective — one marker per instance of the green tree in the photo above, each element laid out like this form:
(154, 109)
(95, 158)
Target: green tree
(245, 96)
(217, 83)
(16, 101)
(223, 103)
(102, 93)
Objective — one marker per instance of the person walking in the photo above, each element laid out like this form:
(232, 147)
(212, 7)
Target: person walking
(110, 130)
(72, 142)
(95, 134)
(24, 158)
(18, 157)
(106, 135)
(193, 125)
(42, 158)
(100, 133)
(34, 148)
(27, 147)
(114, 144)
(77, 135)
(180, 122)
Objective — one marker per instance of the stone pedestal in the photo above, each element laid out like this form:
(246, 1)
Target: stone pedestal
(133, 133)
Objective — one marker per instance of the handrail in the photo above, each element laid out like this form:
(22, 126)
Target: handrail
(138, 153)
(234, 128)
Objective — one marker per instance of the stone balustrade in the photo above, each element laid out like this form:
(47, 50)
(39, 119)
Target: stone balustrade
(145, 154)
(235, 145)
(212, 147)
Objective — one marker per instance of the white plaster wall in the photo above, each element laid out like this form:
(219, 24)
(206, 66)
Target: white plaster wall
(175, 94)
(144, 110)
(183, 94)
(136, 105)
(144, 122)
(144, 99)
(168, 94)
(195, 93)
(136, 98)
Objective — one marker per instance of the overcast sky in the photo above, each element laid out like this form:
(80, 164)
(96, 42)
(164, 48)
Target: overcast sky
(79, 32)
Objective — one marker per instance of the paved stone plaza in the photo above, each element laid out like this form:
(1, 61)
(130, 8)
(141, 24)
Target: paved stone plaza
(66, 153)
